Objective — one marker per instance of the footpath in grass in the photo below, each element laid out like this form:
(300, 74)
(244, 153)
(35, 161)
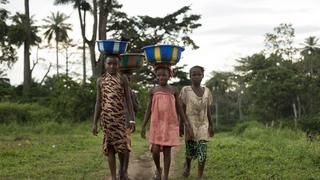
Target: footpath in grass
(54, 151)
(252, 151)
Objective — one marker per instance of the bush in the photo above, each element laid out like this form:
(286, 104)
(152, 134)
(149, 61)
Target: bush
(23, 113)
(7, 91)
(68, 98)
(310, 123)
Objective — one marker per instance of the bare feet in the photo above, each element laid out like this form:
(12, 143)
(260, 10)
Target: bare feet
(186, 170)
(157, 174)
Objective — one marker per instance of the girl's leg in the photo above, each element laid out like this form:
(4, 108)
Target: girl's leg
(112, 162)
(126, 164)
(127, 155)
(186, 168)
(156, 157)
(201, 169)
(122, 168)
(167, 161)
(202, 157)
(191, 152)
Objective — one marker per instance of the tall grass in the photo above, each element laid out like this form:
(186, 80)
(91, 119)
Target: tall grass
(253, 151)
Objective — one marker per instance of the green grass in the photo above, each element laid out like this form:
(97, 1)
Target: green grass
(70, 151)
(55, 151)
(139, 145)
(50, 151)
(261, 153)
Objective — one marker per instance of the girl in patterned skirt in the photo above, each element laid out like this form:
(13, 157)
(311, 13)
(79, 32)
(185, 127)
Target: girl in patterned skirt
(163, 107)
(112, 93)
(196, 102)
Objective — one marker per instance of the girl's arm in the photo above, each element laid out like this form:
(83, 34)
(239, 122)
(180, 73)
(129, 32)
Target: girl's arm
(182, 114)
(128, 101)
(211, 132)
(135, 103)
(181, 123)
(147, 114)
(97, 109)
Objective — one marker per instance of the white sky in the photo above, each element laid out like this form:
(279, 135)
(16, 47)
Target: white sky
(230, 28)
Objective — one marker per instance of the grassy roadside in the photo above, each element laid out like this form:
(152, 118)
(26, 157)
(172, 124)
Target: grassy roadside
(50, 151)
(259, 153)
(55, 151)
(69, 151)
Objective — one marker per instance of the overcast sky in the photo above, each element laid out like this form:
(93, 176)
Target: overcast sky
(230, 28)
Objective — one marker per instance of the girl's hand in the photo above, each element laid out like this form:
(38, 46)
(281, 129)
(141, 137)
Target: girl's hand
(95, 130)
(132, 127)
(190, 131)
(211, 132)
(181, 131)
(143, 133)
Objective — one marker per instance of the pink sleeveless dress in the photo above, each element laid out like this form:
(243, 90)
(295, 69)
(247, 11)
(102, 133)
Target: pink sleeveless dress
(164, 127)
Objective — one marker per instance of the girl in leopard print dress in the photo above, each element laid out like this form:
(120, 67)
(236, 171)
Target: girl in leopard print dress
(112, 93)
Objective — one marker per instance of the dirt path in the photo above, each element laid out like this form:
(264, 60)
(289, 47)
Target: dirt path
(143, 168)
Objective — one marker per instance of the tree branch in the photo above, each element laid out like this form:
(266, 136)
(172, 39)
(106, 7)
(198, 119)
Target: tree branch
(44, 77)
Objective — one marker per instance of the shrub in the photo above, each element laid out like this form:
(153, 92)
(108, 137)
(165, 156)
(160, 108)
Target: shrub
(7, 91)
(310, 123)
(69, 99)
(23, 113)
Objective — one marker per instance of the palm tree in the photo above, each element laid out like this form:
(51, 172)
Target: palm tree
(311, 42)
(24, 32)
(8, 54)
(56, 26)
(83, 5)
(18, 32)
(310, 47)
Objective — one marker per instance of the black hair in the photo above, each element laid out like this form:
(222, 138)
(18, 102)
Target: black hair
(161, 67)
(106, 56)
(199, 67)
(164, 66)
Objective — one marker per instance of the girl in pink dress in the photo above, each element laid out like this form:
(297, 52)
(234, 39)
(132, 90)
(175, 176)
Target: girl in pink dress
(163, 107)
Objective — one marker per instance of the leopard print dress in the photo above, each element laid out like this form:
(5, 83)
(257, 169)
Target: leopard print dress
(113, 114)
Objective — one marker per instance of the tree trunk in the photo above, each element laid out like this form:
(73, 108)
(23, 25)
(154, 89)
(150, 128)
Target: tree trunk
(90, 43)
(97, 67)
(299, 107)
(295, 115)
(217, 112)
(44, 77)
(240, 106)
(84, 74)
(67, 62)
(103, 16)
(104, 6)
(92, 59)
(57, 58)
(84, 63)
(27, 71)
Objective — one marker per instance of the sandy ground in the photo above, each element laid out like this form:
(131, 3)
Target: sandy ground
(143, 168)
